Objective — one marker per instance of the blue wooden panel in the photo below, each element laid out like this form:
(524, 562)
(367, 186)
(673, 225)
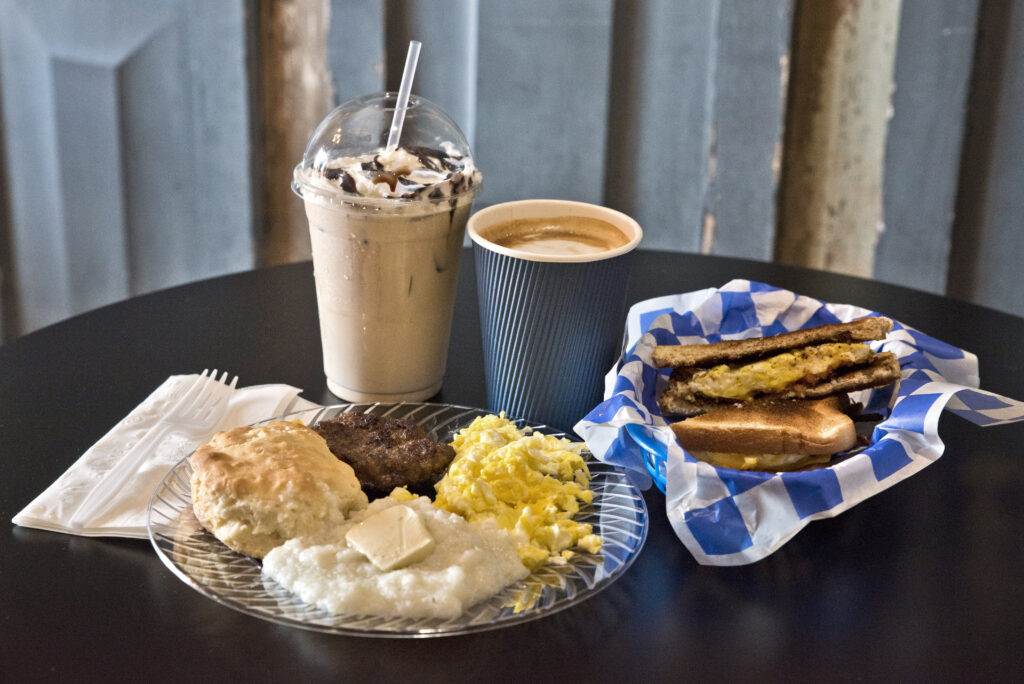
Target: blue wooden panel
(160, 187)
(128, 139)
(216, 84)
(988, 244)
(750, 80)
(447, 71)
(364, 57)
(698, 91)
(38, 249)
(8, 310)
(659, 134)
(542, 108)
(91, 182)
(932, 75)
(355, 48)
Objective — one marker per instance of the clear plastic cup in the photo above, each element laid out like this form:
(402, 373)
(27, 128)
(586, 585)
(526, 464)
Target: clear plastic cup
(386, 230)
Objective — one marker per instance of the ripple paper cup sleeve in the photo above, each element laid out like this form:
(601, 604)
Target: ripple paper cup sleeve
(551, 323)
(734, 517)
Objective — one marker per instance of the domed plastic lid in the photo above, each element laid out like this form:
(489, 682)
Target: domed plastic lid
(346, 161)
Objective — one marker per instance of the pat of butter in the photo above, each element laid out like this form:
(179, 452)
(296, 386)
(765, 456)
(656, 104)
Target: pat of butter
(392, 539)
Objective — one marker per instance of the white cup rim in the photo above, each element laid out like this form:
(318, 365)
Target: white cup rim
(534, 208)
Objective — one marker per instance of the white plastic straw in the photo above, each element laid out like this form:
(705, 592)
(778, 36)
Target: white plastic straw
(398, 120)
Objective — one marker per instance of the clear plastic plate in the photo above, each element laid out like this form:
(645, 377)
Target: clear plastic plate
(618, 514)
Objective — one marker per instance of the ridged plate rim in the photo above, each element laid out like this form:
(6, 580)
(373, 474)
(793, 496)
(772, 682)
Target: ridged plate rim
(619, 514)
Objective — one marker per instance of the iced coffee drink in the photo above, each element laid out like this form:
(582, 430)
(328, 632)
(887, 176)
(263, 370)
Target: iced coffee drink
(386, 227)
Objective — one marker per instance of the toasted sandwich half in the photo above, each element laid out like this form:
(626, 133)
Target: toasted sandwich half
(812, 363)
(770, 436)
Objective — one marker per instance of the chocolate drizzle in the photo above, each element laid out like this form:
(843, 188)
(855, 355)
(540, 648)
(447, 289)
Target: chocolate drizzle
(348, 183)
(437, 174)
(432, 159)
(389, 177)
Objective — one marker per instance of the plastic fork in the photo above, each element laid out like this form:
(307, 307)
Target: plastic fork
(197, 412)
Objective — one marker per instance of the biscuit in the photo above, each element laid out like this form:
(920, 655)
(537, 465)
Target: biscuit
(256, 487)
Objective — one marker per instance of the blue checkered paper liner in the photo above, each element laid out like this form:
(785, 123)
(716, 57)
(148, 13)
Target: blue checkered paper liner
(732, 517)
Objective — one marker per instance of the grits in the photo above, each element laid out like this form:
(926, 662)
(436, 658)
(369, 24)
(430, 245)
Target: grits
(470, 562)
(531, 484)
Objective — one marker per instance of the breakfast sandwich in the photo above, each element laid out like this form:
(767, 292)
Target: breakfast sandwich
(774, 436)
(774, 403)
(812, 363)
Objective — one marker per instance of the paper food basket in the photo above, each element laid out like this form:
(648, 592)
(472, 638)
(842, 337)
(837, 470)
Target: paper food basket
(734, 517)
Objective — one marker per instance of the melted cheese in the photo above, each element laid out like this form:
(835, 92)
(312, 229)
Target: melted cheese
(759, 461)
(777, 373)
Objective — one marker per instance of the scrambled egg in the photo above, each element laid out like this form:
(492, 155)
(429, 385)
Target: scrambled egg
(778, 372)
(531, 484)
(402, 494)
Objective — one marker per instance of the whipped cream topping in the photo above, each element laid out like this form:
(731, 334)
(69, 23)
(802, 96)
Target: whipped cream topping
(403, 173)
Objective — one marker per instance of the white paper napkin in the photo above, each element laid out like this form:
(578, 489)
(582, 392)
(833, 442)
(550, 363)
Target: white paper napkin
(126, 517)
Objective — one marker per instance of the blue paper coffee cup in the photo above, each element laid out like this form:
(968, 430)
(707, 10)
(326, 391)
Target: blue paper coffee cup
(551, 280)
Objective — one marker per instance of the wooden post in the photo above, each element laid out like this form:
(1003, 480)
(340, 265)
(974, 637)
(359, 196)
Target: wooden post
(839, 108)
(294, 96)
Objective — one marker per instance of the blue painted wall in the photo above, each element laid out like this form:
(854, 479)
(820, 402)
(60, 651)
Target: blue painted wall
(129, 145)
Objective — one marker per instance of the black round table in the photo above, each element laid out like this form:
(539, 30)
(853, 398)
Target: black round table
(922, 582)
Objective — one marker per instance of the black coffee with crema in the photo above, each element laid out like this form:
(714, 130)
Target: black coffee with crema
(555, 236)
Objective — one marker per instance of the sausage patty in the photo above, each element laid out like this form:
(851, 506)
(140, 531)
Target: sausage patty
(386, 452)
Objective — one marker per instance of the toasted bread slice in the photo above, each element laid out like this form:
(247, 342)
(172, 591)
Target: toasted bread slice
(731, 351)
(778, 435)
